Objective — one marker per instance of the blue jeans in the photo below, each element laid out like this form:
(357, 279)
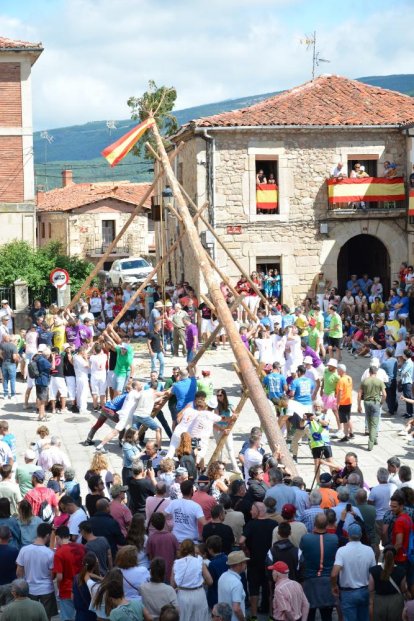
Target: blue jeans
(190, 355)
(160, 357)
(355, 604)
(9, 375)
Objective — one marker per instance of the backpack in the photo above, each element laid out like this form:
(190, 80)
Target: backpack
(46, 512)
(32, 368)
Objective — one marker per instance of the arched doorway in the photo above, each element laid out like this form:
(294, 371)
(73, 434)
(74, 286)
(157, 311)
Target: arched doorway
(363, 254)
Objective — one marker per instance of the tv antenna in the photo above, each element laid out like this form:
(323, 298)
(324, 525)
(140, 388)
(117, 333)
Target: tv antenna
(48, 140)
(111, 125)
(310, 42)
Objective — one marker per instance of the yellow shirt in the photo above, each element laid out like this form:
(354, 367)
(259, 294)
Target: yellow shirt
(302, 324)
(377, 307)
(58, 337)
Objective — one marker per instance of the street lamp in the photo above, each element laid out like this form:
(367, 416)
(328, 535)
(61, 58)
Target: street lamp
(167, 197)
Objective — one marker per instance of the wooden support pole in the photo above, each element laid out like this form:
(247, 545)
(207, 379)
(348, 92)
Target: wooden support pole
(220, 444)
(227, 282)
(114, 243)
(215, 332)
(253, 383)
(227, 251)
(151, 275)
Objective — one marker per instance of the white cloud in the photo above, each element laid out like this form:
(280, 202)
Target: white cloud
(100, 52)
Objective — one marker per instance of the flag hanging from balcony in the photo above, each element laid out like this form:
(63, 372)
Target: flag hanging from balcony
(367, 189)
(119, 149)
(411, 203)
(266, 196)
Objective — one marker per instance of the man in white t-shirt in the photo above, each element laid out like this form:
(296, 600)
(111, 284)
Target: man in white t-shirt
(202, 428)
(187, 515)
(77, 515)
(98, 362)
(142, 414)
(185, 419)
(252, 456)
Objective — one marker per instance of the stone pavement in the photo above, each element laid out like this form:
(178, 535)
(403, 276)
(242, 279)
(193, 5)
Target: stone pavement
(73, 428)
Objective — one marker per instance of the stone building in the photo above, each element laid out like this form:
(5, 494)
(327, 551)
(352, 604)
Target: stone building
(86, 217)
(299, 136)
(17, 204)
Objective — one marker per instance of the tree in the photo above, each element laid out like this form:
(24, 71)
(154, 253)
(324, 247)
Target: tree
(158, 101)
(19, 260)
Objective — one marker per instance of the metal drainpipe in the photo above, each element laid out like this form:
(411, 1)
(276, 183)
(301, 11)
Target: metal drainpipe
(210, 156)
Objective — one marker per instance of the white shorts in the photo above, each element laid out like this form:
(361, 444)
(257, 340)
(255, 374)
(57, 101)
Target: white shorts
(294, 407)
(30, 382)
(110, 379)
(57, 385)
(206, 326)
(125, 420)
(98, 386)
(71, 384)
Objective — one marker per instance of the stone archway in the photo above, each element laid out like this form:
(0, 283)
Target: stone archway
(362, 254)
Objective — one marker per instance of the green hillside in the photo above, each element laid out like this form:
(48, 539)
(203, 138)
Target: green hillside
(78, 147)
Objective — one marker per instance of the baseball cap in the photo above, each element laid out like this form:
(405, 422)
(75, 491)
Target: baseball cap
(124, 345)
(66, 345)
(280, 567)
(354, 530)
(42, 347)
(180, 470)
(116, 490)
(203, 480)
(205, 373)
(342, 367)
(332, 362)
(212, 403)
(288, 511)
(325, 477)
(39, 475)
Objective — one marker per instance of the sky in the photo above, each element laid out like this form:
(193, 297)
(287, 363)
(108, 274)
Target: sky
(98, 53)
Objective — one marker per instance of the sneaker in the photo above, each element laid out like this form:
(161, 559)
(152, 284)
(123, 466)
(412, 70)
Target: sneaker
(89, 442)
(407, 416)
(335, 435)
(295, 458)
(352, 436)
(344, 439)
(101, 450)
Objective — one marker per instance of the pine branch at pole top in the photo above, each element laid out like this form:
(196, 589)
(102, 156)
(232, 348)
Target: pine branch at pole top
(151, 275)
(259, 399)
(227, 251)
(121, 233)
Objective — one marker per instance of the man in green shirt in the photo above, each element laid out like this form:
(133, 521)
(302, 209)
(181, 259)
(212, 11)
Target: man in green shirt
(23, 607)
(335, 334)
(124, 359)
(328, 389)
(372, 392)
(25, 471)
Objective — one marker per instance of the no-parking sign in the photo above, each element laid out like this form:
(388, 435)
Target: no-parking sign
(59, 277)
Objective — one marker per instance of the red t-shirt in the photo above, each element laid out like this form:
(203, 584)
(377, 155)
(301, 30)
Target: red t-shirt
(68, 561)
(403, 524)
(38, 495)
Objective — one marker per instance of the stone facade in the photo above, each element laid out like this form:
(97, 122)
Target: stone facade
(80, 230)
(304, 158)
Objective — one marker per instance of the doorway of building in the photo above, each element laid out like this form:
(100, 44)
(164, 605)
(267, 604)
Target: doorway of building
(264, 264)
(363, 254)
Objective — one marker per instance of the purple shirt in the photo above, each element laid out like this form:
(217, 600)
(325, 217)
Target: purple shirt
(85, 333)
(191, 336)
(245, 341)
(316, 361)
(72, 336)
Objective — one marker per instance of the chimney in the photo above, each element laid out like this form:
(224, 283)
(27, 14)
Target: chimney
(67, 178)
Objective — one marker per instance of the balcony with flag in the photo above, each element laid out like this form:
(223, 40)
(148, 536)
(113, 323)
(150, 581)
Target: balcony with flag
(366, 197)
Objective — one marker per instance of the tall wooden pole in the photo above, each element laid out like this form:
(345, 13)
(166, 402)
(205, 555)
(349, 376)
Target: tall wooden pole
(257, 395)
(114, 243)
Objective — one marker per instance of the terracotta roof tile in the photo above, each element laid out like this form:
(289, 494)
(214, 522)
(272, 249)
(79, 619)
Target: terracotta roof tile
(327, 100)
(12, 44)
(77, 195)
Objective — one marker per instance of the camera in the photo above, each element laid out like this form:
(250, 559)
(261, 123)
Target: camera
(195, 443)
(149, 464)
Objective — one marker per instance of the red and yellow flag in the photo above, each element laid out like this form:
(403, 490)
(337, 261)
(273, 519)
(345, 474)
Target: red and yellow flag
(367, 189)
(411, 203)
(119, 149)
(266, 196)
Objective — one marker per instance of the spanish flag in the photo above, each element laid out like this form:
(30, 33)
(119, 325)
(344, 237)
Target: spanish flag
(266, 196)
(119, 149)
(411, 203)
(367, 189)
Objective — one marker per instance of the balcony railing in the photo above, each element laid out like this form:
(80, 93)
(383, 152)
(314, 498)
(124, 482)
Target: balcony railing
(366, 193)
(266, 198)
(100, 250)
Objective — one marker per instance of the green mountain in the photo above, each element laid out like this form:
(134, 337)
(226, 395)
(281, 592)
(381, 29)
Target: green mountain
(78, 147)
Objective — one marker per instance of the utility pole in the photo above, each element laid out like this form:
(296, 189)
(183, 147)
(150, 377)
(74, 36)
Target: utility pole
(253, 384)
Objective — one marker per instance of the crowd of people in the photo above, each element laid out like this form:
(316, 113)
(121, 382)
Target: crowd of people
(173, 536)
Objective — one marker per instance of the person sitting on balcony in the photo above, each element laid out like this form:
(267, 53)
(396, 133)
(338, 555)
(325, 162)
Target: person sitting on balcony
(271, 179)
(338, 172)
(390, 169)
(356, 171)
(261, 177)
